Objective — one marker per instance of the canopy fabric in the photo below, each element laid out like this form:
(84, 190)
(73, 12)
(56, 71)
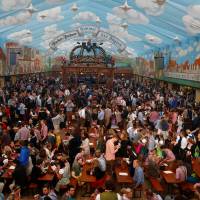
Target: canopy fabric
(144, 25)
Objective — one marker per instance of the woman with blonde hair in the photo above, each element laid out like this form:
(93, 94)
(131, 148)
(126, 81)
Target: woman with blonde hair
(126, 193)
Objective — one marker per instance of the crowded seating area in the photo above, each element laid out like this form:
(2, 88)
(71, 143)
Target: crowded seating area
(134, 140)
(99, 100)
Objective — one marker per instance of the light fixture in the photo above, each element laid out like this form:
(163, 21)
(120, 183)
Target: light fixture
(125, 7)
(43, 16)
(177, 40)
(151, 39)
(28, 33)
(124, 26)
(160, 2)
(74, 7)
(31, 9)
(98, 20)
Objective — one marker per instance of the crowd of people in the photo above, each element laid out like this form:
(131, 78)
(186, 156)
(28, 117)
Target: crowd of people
(46, 124)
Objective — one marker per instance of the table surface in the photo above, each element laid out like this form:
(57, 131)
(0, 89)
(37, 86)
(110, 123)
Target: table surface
(170, 178)
(121, 178)
(47, 177)
(8, 174)
(85, 177)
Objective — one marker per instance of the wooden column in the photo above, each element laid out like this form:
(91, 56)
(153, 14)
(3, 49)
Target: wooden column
(197, 95)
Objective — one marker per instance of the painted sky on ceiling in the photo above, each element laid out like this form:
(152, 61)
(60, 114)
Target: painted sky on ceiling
(144, 25)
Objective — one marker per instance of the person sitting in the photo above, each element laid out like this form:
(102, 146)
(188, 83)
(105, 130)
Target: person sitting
(168, 155)
(126, 194)
(63, 173)
(48, 194)
(77, 169)
(69, 194)
(109, 192)
(181, 172)
(152, 196)
(99, 174)
(152, 168)
(102, 161)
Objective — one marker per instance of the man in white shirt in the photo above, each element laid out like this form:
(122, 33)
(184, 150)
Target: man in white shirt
(133, 133)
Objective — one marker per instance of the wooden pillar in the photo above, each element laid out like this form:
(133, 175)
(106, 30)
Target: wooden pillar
(13, 79)
(111, 78)
(2, 82)
(170, 86)
(197, 95)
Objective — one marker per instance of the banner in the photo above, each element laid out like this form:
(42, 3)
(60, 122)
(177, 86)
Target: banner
(114, 40)
(63, 37)
(185, 76)
(87, 29)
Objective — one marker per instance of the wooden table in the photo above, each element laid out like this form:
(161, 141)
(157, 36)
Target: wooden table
(8, 174)
(47, 177)
(170, 178)
(122, 178)
(85, 177)
(196, 166)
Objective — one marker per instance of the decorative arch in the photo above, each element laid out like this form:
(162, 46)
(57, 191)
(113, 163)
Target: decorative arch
(88, 53)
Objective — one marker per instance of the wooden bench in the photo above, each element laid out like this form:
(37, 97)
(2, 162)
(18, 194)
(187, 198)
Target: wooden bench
(33, 187)
(156, 185)
(137, 190)
(73, 182)
(187, 186)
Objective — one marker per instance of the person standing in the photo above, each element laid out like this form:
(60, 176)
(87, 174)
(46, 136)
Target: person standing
(111, 150)
(44, 130)
(23, 133)
(138, 177)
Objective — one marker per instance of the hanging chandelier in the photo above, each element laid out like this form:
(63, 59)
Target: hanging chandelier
(125, 7)
(160, 2)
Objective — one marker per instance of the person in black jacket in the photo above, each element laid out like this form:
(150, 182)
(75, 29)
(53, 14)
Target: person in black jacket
(19, 175)
(74, 147)
(36, 171)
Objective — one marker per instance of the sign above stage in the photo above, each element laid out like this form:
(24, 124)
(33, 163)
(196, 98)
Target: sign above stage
(83, 30)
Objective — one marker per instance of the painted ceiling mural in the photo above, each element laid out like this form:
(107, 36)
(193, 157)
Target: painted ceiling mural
(145, 26)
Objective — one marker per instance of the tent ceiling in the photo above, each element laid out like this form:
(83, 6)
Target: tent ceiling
(141, 24)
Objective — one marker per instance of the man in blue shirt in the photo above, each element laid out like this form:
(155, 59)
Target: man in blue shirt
(138, 177)
(24, 154)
